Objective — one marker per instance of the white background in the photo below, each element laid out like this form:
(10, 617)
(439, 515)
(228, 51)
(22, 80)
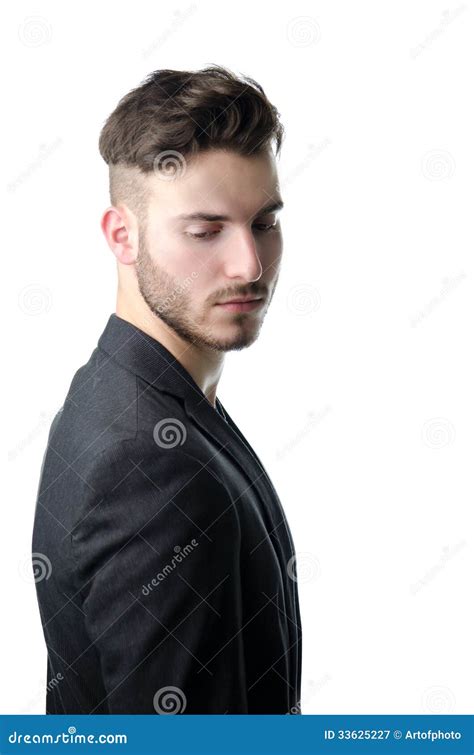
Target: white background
(358, 395)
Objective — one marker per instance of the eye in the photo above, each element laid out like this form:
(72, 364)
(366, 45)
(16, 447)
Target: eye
(202, 234)
(261, 227)
(265, 227)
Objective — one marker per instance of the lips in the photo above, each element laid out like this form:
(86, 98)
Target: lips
(242, 300)
(249, 305)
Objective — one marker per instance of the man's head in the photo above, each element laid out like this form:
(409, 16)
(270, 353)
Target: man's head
(195, 200)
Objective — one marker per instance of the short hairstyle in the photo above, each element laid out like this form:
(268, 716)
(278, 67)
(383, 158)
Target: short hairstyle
(173, 116)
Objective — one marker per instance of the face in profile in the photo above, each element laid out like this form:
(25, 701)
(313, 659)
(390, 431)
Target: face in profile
(212, 235)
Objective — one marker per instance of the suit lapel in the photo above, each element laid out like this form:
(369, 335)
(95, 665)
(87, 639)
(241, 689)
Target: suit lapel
(154, 363)
(231, 441)
(224, 436)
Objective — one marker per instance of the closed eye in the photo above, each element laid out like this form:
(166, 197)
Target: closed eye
(261, 227)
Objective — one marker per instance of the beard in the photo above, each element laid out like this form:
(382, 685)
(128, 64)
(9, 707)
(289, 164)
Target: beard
(172, 302)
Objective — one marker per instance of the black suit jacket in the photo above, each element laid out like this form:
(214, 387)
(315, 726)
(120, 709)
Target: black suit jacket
(168, 579)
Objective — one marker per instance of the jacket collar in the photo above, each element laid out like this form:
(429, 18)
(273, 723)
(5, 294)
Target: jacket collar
(146, 357)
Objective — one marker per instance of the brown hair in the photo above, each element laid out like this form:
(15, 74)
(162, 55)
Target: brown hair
(174, 115)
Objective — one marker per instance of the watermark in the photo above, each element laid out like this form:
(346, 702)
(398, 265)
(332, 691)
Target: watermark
(35, 567)
(447, 17)
(310, 688)
(313, 151)
(439, 700)
(314, 420)
(429, 576)
(69, 737)
(169, 701)
(44, 421)
(34, 31)
(169, 433)
(177, 291)
(169, 165)
(437, 165)
(303, 299)
(449, 285)
(438, 432)
(308, 567)
(39, 695)
(180, 555)
(45, 151)
(34, 299)
(303, 31)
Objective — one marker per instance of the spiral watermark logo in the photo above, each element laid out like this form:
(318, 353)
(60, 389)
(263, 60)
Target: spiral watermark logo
(303, 31)
(169, 701)
(34, 31)
(35, 568)
(438, 699)
(438, 432)
(169, 165)
(437, 165)
(34, 299)
(308, 567)
(303, 299)
(169, 432)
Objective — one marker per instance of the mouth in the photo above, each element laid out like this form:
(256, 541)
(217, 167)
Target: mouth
(241, 305)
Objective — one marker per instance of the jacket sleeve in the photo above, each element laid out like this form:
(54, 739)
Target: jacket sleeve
(157, 554)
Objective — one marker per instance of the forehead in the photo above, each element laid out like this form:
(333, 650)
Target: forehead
(218, 182)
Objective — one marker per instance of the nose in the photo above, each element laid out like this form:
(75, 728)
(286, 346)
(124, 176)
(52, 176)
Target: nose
(241, 256)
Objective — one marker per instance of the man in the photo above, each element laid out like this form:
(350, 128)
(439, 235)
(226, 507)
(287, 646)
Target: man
(172, 586)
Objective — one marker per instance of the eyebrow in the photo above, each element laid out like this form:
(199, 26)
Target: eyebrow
(273, 207)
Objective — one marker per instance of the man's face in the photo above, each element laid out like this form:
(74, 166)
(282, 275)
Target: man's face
(186, 265)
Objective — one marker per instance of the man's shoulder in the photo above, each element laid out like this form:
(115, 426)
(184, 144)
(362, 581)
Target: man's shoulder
(100, 405)
(112, 419)
(144, 463)
(109, 411)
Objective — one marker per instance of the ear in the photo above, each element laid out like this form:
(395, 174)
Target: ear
(120, 229)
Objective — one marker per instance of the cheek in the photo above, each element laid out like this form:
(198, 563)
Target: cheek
(193, 270)
(197, 280)
(179, 259)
